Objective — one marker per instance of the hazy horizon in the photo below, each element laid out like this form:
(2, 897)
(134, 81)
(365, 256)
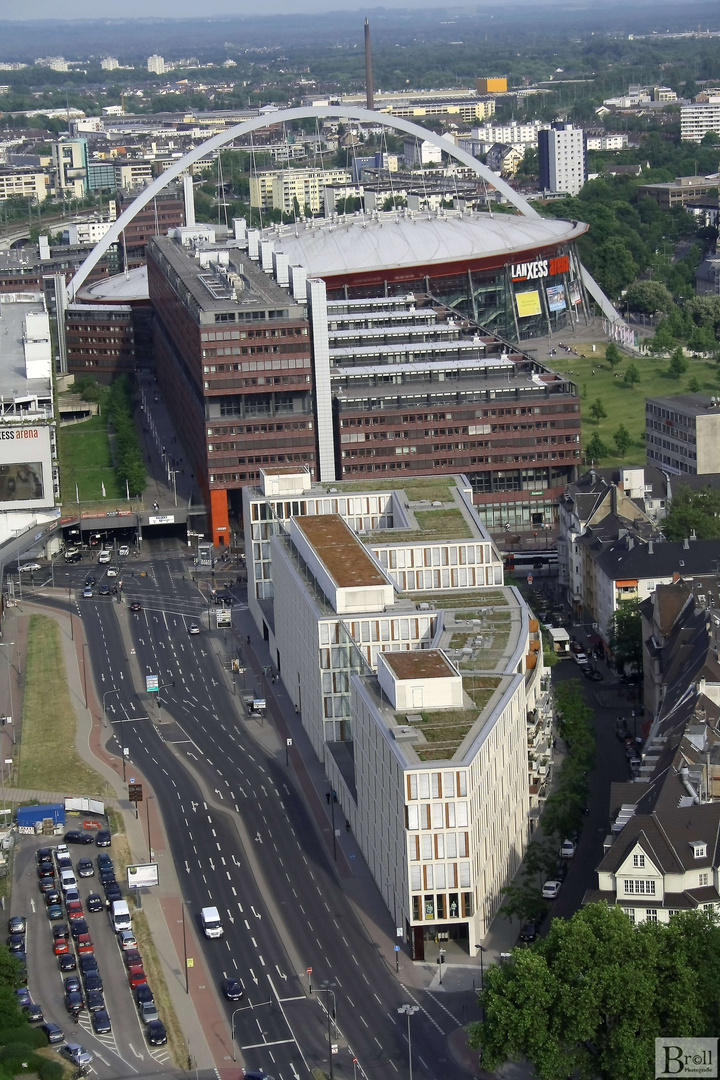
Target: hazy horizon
(188, 9)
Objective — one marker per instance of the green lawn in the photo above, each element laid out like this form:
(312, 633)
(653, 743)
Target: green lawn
(85, 460)
(624, 404)
(48, 758)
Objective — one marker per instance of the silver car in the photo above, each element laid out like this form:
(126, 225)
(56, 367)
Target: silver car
(76, 1053)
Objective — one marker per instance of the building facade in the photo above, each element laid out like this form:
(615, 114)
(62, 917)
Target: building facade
(698, 119)
(23, 183)
(418, 711)
(682, 433)
(100, 340)
(562, 159)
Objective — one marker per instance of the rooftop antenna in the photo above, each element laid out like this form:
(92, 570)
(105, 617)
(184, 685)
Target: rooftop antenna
(368, 69)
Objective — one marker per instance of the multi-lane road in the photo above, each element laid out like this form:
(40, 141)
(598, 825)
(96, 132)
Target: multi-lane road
(243, 840)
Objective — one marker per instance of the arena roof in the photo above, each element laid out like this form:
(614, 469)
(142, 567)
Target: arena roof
(390, 241)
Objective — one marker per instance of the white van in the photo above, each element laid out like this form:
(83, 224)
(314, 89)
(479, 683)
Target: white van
(120, 916)
(211, 924)
(67, 880)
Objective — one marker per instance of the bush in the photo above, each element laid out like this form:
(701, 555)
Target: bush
(51, 1070)
(28, 1036)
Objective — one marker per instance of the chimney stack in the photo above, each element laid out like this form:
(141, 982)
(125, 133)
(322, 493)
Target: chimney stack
(368, 68)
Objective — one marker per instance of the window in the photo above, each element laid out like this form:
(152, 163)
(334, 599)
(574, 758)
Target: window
(638, 860)
(699, 848)
(647, 887)
(651, 915)
(630, 912)
(702, 879)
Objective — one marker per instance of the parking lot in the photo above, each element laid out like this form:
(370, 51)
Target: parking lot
(66, 929)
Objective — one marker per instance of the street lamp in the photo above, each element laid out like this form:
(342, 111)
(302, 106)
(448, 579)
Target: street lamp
(7, 645)
(84, 660)
(114, 691)
(147, 816)
(327, 990)
(409, 1010)
(244, 1008)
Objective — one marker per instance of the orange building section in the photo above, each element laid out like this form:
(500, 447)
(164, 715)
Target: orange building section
(492, 86)
(219, 523)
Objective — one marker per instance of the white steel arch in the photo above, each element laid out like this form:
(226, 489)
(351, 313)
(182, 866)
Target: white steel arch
(338, 112)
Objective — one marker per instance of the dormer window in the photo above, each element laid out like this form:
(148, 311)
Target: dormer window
(699, 849)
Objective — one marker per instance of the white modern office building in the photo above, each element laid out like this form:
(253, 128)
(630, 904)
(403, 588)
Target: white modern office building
(698, 119)
(562, 159)
(416, 674)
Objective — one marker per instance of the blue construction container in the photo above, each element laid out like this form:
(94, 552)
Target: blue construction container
(29, 816)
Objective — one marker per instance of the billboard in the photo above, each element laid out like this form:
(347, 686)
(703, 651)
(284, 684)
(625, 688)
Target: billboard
(142, 876)
(26, 476)
(528, 303)
(556, 297)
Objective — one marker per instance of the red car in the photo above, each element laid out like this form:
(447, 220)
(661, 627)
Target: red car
(132, 956)
(75, 909)
(84, 944)
(136, 975)
(61, 946)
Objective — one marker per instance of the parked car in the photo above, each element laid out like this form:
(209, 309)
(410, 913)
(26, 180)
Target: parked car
(529, 930)
(95, 902)
(77, 837)
(550, 889)
(77, 1054)
(33, 1013)
(127, 940)
(103, 859)
(55, 912)
(592, 673)
(88, 962)
(143, 994)
(103, 838)
(132, 956)
(101, 1022)
(66, 962)
(148, 1011)
(74, 1002)
(84, 944)
(567, 849)
(23, 995)
(85, 868)
(16, 943)
(53, 1033)
(95, 999)
(93, 980)
(580, 658)
(17, 924)
(156, 1034)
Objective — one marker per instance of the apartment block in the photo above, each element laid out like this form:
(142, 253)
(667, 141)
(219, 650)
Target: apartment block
(562, 159)
(23, 183)
(416, 675)
(698, 119)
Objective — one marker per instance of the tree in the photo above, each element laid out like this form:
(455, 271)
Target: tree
(678, 363)
(647, 297)
(632, 375)
(693, 511)
(613, 355)
(626, 635)
(694, 386)
(596, 449)
(590, 998)
(597, 410)
(622, 440)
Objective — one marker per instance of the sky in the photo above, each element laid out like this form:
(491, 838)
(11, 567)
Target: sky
(179, 9)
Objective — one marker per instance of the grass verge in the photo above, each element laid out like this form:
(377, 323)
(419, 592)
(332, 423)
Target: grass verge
(86, 461)
(156, 978)
(625, 405)
(48, 758)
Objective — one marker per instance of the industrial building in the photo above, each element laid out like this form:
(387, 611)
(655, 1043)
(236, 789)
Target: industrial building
(416, 675)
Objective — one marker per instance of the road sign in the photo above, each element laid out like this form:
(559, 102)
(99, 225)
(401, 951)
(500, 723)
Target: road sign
(529, 579)
(190, 962)
(152, 684)
(135, 793)
(309, 971)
